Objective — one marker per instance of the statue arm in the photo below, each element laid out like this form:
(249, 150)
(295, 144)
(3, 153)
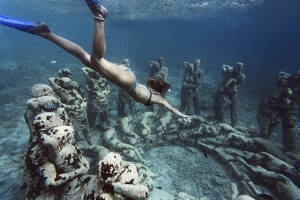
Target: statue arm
(229, 82)
(51, 178)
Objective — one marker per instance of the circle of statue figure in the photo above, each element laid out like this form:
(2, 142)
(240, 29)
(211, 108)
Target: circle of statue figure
(73, 100)
(281, 106)
(98, 91)
(189, 89)
(226, 94)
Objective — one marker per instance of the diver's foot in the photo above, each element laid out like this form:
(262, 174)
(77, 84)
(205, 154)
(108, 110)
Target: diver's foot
(98, 10)
(38, 28)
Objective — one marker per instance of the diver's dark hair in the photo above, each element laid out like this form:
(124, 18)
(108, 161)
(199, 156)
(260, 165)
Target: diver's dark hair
(159, 85)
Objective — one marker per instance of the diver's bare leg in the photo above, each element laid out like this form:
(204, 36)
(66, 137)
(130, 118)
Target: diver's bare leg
(99, 43)
(69, 46)
(108, 69)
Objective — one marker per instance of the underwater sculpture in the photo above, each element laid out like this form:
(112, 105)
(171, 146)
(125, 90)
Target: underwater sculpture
(52, 159)
(64, 156)
(43, 99)
(281, 107)
(129, 151)
(98, 91)
(96, 153)
(124, 99)
(189, 89)
(192, 136)
(244, 197)
(115, 181)
(154, 68)
(157, 69)
(58, 169)
(40, 89)
(226, 94)
(35, 106)
(256, 162)
(73, 100)
(160, 72)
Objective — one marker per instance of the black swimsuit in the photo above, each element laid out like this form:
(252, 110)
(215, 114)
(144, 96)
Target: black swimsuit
(148, 103)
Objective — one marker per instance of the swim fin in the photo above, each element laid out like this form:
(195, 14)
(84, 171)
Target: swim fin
(97, 8)
(26, 26)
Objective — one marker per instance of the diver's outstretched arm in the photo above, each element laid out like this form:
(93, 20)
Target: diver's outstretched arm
(170, 108)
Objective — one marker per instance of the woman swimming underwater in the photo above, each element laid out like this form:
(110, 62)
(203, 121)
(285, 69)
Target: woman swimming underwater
(153, 93)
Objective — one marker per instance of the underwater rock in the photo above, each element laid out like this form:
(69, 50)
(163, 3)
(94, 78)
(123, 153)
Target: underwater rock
(184, 196)
(160, 194)
(98, 90)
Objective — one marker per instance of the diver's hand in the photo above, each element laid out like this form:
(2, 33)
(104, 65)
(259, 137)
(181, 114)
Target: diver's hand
(187, 119)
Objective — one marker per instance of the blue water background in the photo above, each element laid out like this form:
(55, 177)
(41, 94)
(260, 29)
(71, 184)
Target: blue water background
(266, 38)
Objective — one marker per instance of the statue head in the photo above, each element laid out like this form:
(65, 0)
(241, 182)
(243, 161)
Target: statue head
(47, 120)
(188, 67)
(66, 82)
(197, 63)
(109, 168)
(284, 79)
(65, 72)
(126, 62)
(57, 137)
(238, 67)
(161, 61)
(39, 90)
(227, 69)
